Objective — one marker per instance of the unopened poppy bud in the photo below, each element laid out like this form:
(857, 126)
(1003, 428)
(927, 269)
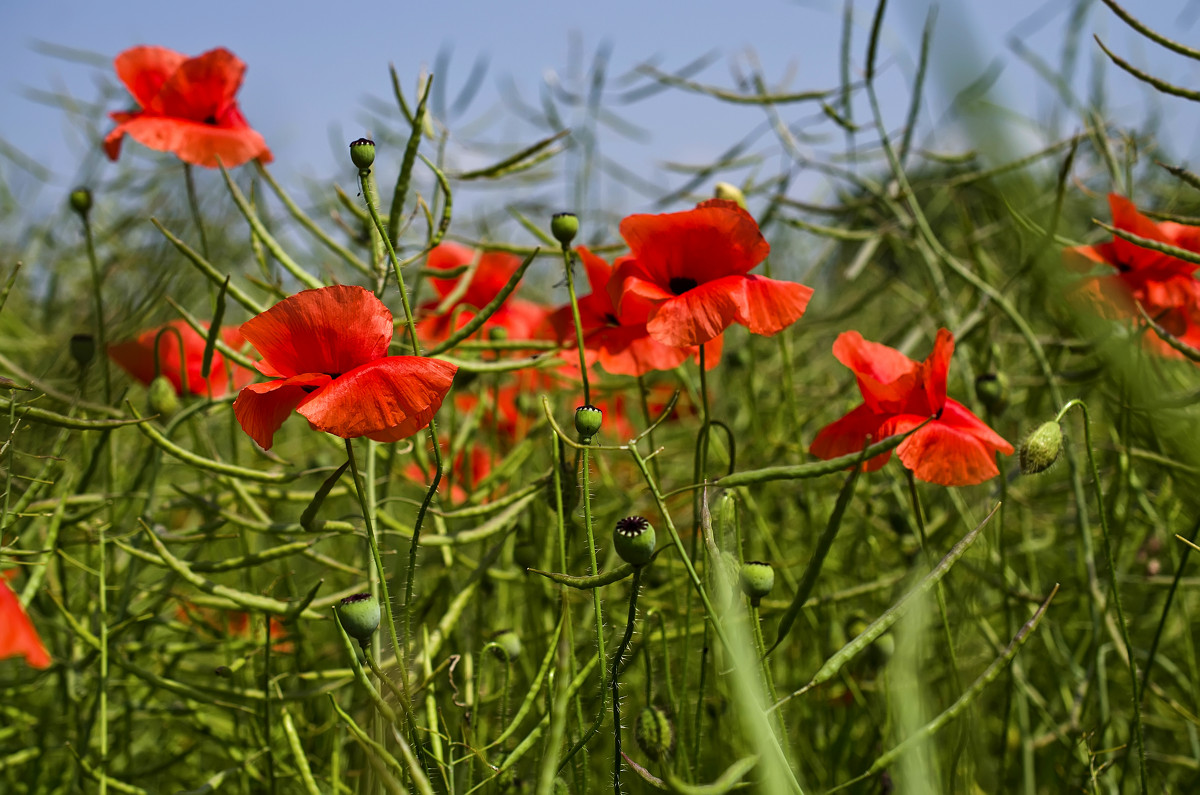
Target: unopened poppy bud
(726, 190)
(587, 422)
(564, 227)
(992, 390)
(655, 734)
(1041, 448)
(633, 538)
(758, 579)
(506, 645)
(359, 614)
(362, 153)
(83, 348)
(161, 397)
(81, 201)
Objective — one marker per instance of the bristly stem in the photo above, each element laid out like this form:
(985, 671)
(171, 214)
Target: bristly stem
(1116, 594)
(616, 670)
(98, 303)
(583, 370)
(595, 570)
(194, 204)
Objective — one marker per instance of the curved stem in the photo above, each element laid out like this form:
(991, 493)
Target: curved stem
(583, 371)
(194, 205)
(616, 670)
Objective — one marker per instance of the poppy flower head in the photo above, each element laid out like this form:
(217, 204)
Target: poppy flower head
(954, 448)
(18, 638)
(328, 349)
(690, 272)
(520, 319)
(186, 106)
(137, 357)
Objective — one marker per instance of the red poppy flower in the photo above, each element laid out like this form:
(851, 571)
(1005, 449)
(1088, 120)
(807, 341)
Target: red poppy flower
(136, 357)
(469, 467)
(231, 624)
(329, 348)
(956, 449)
(18, 638)
(187, 106)
(521, 319)
(1164, 286)
(689, 271)
(619, 341)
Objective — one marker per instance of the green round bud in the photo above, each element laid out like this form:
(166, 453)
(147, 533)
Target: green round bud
(506, 645)
(587, 422)
(726, 190)
(559, 787)
(992, 391)
(362, 153)
(83, 348)
(633, 538)
(1041, 448)
(223, 671)
(359, 614)
(758, 579)
(654, 733)
(81, 201)
(162, 397)
(564, 227)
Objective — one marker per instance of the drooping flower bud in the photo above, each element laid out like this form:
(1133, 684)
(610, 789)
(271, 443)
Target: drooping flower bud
(726, 190)
(162, 398)
(564, 227)
(506, 645)
(359, 614)
(362, 153)
(1041, 448)
(654, 733)
(81, 201)
(758, 578)
(633, 538)
(587, 422)
(83, 348)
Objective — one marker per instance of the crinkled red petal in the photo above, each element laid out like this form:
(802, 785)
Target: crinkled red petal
(699, 314)
(849, 435)
(262, 408)
(18, 638)
(768, 306)
(717, 238)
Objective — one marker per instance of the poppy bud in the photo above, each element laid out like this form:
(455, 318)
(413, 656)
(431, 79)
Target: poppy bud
(564, 227)
(758, 579)
(506, 645)
(1041, 448)
(633, 538)
(162, 398)
(81, 201)
(83, 348)
(362, 153)
(992, 391)
(725, 190)
(359, 614)
(587, 422)
(654, 733)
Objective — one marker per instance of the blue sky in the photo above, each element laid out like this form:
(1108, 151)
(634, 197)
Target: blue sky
(312, 67)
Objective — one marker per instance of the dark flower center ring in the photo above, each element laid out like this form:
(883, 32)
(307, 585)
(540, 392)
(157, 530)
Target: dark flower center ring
(681, 284)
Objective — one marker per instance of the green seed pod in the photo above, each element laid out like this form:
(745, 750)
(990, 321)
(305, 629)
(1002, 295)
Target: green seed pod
(726, 190)
(633, 538)
(564, 227)
(162, 398)
(506, 645)
(359, 614)
(81, 201)
(83, 348)
(758, 579)
(992, 391)
(362, 153)
(1041, 448)
(587, 422)
(655, 734)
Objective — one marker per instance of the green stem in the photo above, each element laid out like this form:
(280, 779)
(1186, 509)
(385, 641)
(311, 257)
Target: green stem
(98, 303)
(595, 570)
(583, 370)
(194, 204)
(616, 670)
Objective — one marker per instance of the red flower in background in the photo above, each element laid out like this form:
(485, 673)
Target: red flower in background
(231, 624)
(18, 638)
(469, 467)
(689, 272)
(329, 346)
(521, 319)
(956, 449)
(619, 341)
(137, 358)
(1165, 286)
(186, 106)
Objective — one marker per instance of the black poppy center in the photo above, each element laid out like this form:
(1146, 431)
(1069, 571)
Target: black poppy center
(611, 319)
(1123, 268)
(211, 121)
(681, 284)
(314, 387)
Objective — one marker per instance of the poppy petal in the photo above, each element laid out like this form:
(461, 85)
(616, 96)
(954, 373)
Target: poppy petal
(936, 368)
(630, 350)
(262, 408)
(145, 69)
(192, 142)
(885, 375)
(201, 88)
(849, 435)
(329, 330)
(946, 455)
(386, 400)
(956, 415)
(717, 238)
(768, 306)
(18, 638)
(699, 314)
